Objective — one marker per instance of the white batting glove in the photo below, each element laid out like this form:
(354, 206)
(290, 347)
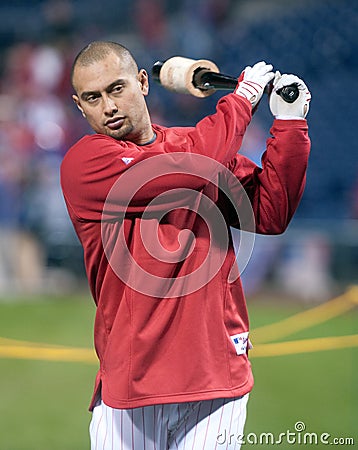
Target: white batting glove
(288, 111)
(254, 82)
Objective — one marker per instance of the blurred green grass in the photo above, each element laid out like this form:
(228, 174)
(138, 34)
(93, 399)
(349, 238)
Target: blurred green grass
(319, 389)
(44, 404)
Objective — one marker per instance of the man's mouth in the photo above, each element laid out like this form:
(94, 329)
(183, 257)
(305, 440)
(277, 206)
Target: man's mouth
(114, 123)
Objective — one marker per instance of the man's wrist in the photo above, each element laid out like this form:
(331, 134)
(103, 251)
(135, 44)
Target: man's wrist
(282, 117)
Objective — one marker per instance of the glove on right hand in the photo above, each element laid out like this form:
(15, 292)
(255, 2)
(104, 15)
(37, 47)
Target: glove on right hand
(254, 81)
(283, 110)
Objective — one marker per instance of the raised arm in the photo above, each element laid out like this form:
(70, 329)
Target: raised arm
(275, 189)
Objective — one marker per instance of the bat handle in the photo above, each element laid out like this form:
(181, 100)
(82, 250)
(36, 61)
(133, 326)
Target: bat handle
(203, 79)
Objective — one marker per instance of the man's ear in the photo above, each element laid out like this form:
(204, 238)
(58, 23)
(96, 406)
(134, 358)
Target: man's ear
(77, 102)
(143, 80)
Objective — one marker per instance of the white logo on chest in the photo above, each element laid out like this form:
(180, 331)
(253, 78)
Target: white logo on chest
(127, 160)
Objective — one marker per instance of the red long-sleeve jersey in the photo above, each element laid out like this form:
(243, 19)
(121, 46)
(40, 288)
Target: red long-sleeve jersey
(154, 222)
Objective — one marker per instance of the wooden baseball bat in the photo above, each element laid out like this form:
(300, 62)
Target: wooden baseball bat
(202, 78)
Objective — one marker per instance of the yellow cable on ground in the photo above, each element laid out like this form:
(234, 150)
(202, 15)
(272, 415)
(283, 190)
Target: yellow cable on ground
(304, 346)
(48, 353)
(306, 319)
(16, 342)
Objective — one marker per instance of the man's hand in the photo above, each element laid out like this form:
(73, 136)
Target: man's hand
(253, 80)
(286, 111)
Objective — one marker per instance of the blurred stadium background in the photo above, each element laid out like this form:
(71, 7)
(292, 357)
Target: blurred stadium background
(314, 39)
(41, 260)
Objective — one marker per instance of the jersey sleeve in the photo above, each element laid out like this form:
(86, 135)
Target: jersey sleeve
(100, 171)
(220, 135)
(275, 189)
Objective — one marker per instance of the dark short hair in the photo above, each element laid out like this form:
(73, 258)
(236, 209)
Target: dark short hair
(98, 50)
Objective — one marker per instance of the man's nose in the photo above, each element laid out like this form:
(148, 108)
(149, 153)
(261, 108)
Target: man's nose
(110, 106)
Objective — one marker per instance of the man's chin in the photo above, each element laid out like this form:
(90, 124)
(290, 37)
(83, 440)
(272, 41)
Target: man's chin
(120, 134)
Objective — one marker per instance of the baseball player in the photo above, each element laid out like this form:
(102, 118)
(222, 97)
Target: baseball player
(151, 205)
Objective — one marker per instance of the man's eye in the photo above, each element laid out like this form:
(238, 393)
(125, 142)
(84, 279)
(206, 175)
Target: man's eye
(92, 98)
(117, 89)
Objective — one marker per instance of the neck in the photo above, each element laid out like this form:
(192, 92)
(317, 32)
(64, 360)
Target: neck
(149, 141)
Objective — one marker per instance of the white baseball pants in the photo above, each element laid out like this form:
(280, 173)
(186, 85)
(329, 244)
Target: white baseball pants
(203, 425)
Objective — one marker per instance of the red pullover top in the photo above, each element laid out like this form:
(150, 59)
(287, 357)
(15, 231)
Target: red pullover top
(154, 222)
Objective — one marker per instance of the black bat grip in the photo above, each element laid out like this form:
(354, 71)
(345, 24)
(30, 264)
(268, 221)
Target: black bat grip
(215, 80)
(205, 79)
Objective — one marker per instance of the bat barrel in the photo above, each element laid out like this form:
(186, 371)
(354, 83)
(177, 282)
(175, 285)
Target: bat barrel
(202, 78)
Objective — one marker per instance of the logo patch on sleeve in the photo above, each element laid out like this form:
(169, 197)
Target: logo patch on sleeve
(240, 342)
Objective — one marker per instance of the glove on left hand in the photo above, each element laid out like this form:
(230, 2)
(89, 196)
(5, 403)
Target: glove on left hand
(254, 80)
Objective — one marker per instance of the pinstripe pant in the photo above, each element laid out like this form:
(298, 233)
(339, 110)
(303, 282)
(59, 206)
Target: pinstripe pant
(203, 425)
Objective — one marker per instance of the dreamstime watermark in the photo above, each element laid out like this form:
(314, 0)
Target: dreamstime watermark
(198, 225)
(298, 436)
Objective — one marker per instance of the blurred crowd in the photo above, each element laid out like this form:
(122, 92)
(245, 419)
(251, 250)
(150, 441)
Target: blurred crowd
(38, 121)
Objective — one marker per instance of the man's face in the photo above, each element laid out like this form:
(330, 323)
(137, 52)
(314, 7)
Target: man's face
(110, 94)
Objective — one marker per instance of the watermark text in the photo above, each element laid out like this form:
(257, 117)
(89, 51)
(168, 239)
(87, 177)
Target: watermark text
(298, 436)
